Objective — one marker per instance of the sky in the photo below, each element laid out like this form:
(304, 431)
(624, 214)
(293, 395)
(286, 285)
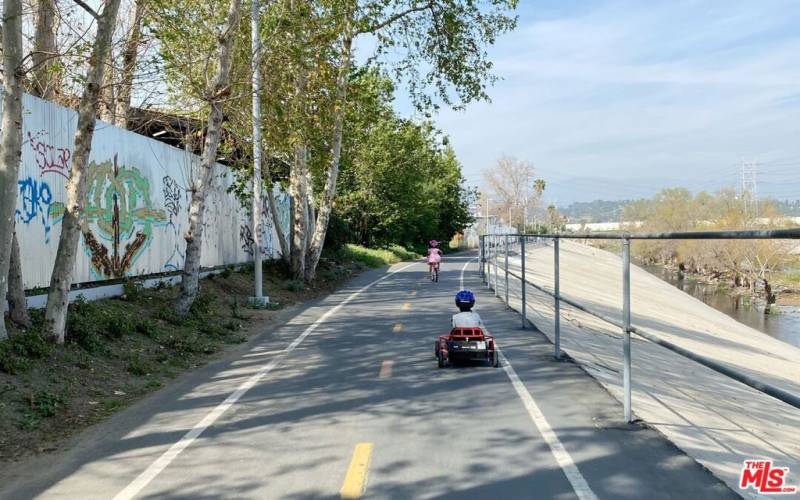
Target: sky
(618, 99)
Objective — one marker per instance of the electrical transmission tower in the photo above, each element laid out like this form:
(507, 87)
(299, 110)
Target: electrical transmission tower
(749, 188)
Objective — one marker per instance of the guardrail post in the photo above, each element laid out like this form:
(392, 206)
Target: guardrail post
(496, 239)
(482, 251)
(506, 249)
(487, 263)
(524, 282)
(557, 298)
(626, 326)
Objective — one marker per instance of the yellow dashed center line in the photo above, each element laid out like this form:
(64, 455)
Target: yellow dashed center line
(406, 306)
(398, 327)
(356, 480)
(386, 369)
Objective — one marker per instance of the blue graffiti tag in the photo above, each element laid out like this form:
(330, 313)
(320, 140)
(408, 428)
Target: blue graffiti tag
(36, 199)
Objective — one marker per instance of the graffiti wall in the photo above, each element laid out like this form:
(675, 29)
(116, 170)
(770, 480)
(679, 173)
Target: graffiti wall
(136, 207)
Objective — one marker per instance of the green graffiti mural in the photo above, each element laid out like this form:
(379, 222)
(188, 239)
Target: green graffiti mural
(119, 211)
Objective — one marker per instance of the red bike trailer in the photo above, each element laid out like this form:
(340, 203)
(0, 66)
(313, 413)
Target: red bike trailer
(466, 344)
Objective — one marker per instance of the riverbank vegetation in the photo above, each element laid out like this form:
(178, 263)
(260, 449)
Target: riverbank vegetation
(764, 268)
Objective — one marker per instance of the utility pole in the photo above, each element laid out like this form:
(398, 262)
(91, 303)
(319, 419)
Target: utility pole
(258, 300)
(525, 206)
(486, 197)
(749, 172)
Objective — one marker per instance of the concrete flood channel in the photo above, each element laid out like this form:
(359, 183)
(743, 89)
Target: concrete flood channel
(783, 324)
(714, 419)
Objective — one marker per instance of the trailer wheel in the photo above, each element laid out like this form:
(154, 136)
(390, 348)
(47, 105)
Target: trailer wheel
(442, 360)
(495, 359)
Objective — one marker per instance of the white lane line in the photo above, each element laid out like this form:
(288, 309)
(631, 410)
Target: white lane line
(168, 456)
(560, 453)
(461, 280)
(574, 476)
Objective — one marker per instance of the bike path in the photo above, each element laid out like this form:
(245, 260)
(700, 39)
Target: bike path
(359, 371)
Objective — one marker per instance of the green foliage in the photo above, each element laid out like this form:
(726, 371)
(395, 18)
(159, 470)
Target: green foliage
(338, 233)
(132, 290)
(295, 285)
(88, 322)
(147, 327)
(138, 366)
(374, 257)
(399, 182)
(111, 404)
(41, 404)
(17, 352)
(438, 49)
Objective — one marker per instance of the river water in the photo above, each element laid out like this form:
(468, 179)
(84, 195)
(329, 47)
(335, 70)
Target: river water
(784, 326)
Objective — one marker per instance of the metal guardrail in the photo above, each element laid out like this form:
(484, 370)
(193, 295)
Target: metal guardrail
(489, 251)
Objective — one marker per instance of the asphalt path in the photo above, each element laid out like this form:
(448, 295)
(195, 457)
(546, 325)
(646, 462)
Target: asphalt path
(346, 398)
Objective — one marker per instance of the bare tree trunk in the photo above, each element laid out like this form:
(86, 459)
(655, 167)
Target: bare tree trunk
(258, 181)
(17, 305)
(326, 204)
(276, 221)
(61, 280)
(299, 192)
(130, 56)
(107, 105)
(46, 83)
(217, 92)
(11, 140)
(46, 76)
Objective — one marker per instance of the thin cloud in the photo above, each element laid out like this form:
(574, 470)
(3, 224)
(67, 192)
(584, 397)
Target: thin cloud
(657, 90)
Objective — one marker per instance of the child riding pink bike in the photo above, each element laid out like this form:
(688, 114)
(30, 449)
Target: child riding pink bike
(434, 259)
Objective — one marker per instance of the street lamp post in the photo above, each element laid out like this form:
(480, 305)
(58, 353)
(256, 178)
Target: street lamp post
(258, 300)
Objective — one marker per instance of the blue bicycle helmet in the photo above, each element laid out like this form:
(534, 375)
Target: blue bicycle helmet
(465, 300)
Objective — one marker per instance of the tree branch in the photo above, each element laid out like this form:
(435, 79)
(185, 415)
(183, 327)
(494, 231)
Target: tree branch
(88, 9)
(395, 17)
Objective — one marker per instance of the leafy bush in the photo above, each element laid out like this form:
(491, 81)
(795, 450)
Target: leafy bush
(202, 305)
(16, 352)
(295, 286)
(404, 254)
(45, 404)
(132, 290)
(147, 327)
(84, 325)
(139, 367)
(89, 322)
(118, 325)
(338, 233)
(374, 257)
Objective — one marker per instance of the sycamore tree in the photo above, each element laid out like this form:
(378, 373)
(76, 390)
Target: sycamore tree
(11, 137)
(197, 43)
(400, 182)
(436, 48)
(61, 279)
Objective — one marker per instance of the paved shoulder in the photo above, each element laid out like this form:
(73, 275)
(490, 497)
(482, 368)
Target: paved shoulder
(616, 460)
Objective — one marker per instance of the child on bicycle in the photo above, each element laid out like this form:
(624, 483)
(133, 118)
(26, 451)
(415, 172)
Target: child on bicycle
(434, 259)
(467, 318)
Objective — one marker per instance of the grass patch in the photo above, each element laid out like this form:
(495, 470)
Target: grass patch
(374, 257)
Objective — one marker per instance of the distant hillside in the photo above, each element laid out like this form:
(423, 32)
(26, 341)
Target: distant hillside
(611, 211)
(594, 211)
